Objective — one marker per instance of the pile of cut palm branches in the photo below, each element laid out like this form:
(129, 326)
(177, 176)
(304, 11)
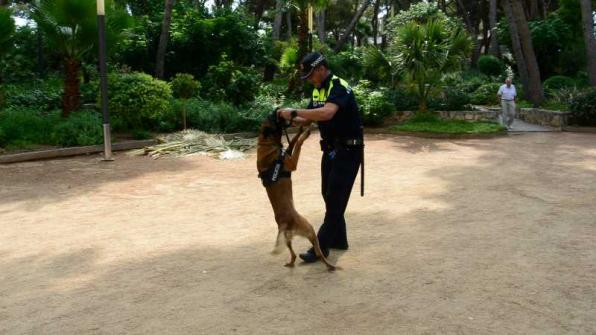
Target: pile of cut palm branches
(187, 142)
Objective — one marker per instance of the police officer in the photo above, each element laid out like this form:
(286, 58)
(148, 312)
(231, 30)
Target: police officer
(333, 106)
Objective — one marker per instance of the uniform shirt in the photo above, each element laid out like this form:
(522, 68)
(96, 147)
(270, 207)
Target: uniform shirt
(347, 122)
(507, 93)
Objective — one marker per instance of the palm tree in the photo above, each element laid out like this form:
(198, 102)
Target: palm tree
(70, 27)
(424, 52)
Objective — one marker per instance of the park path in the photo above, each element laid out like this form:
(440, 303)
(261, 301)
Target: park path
(487, 236)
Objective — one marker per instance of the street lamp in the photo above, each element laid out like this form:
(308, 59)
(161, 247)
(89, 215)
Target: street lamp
(101, 24)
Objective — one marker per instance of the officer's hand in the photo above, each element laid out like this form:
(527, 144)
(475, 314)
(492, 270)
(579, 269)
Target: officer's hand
(285, 113)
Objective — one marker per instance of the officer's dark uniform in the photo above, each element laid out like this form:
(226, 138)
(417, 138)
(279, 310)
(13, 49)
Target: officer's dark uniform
(342, 146)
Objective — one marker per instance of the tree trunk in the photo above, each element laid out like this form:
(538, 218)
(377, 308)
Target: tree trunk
(289, 23)
(302, 34)
(71, 100)
(276, 33)
(494, 43)
(522, 69)
(588, 23)
(375, 21)
(321, 25)
(466, 16)
(533, 9)
(351, 26)
(477, 47)
(269, 72)
(536, 94)
(259, 9)
(163, 39)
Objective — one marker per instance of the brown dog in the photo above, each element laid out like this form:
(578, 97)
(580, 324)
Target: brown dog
(289, 222)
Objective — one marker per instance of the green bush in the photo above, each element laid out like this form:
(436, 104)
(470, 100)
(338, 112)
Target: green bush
(347, 64)
(451, 100)
(45, 96)
(217, 117)
(583, 109)
(81, 128)
(375, 105)
(581, 79)
(491, 65)
(403, 100)
(558, 82)
(230, 82)
(486, 94)
(22, 126)
(139, 100)
(184, 86)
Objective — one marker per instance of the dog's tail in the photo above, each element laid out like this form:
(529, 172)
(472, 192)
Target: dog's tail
(279, 243)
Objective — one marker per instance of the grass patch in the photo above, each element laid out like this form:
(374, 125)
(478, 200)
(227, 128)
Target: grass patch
(437, 126)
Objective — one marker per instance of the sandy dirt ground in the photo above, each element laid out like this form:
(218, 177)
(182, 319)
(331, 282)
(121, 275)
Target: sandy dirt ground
(493, 236)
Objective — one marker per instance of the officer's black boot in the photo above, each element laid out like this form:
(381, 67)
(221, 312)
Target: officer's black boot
(310, 256)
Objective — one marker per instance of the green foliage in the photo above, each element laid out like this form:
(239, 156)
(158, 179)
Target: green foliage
(491, 66)
(583, 109)
(138, 99)
(422, 13)
(198, 42)
(376, 66)
(403, 99)
(80, 128)
(467, 81)
(556, 40)
(20, 61)
(451, 100)
(423, 53)
(375, 104)
(289, 59)
(23, 126)
(70, 26)
(486, 94)
(449, 126)
(231, 82)
(184, 86)
(41, 95)
(558, 82)
(347, 64)
(212, 116)
(7, 28)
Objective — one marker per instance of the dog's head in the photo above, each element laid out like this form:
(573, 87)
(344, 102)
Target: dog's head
(272, 127)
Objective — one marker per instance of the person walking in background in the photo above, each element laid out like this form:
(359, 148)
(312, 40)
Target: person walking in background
(507, 94)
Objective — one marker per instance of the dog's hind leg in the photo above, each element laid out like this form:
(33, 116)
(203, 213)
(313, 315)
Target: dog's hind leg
(277, 249)
(288, 236)
(312, 237)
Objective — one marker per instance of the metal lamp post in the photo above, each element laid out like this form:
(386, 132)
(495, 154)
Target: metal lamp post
(101, 24)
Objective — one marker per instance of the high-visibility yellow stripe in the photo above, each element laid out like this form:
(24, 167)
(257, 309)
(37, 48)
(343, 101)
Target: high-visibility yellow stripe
(321, 95)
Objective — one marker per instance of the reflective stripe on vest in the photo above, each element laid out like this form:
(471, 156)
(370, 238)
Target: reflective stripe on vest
(319, 96)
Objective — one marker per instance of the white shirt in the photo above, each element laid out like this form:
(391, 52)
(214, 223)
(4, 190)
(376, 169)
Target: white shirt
(507, 93)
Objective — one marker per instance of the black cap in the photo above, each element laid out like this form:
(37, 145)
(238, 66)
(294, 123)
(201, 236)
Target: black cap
(310, 62)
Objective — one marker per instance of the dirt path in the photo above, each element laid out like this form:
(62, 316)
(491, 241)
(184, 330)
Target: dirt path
(453, 237)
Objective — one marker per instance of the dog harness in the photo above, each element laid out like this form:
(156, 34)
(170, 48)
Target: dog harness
(276, 171)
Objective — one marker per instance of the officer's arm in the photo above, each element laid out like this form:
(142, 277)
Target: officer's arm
(300, 121)
(318, 114)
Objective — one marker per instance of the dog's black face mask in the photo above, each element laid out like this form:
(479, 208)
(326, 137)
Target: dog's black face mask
(273, 126)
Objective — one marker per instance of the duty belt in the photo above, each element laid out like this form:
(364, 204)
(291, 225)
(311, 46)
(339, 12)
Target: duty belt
(355, 143)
